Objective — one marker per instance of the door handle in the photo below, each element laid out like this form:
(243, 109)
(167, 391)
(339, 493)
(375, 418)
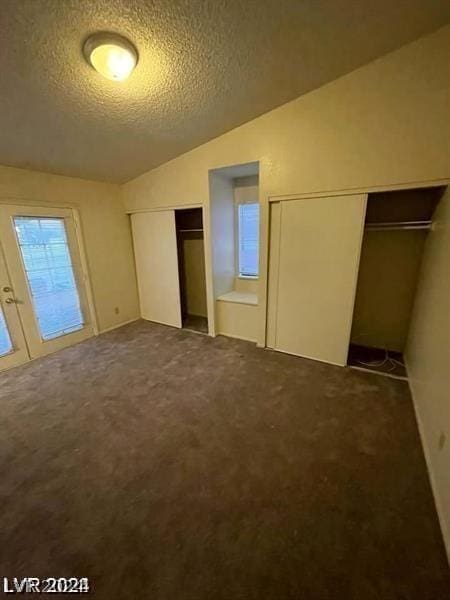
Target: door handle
(10, 301)
(7, 289)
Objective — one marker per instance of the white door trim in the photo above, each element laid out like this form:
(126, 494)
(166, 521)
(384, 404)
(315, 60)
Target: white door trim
(133, 211)
(361, 190)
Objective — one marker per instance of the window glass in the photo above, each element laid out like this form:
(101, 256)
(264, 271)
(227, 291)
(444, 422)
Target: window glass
(49, 271)
(5, 340)
(248, 233)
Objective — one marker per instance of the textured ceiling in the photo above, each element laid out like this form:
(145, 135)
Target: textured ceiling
(205, 67)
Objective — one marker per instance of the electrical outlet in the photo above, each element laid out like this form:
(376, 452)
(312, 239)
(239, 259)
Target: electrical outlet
(442, 440)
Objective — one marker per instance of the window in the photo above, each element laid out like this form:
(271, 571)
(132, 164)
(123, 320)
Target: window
(248, 239)
(49, 272)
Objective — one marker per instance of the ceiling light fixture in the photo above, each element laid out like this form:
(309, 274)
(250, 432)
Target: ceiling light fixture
(112, 55)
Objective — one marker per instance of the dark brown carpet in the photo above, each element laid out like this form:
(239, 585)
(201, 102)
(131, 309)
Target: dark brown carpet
(196, 323)
(168, 465)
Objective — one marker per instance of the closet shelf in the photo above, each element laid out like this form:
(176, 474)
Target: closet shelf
(398, 225)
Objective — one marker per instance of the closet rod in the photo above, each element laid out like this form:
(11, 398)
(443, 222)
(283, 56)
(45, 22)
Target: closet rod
(400, 225)
(188, 230)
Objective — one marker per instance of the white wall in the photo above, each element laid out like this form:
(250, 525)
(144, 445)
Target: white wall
(428, 359)
(222, 233)
(237, 320)
(383, 124)
(106, 233)
(246, 189)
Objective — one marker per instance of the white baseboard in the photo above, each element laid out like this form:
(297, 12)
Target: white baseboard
(434, 487)
(118, 325)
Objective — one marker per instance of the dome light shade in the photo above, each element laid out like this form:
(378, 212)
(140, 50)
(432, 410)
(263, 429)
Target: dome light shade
(112, 55)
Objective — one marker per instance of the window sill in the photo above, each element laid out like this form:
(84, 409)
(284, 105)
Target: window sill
(251, 277)
(240, 298)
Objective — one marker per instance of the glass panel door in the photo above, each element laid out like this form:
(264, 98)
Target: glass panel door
(13, 349)
(5, 339)
(42, 253)
(50, 275)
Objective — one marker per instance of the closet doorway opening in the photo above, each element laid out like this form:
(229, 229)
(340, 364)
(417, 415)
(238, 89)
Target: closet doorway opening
(397, 225)
(191, 269)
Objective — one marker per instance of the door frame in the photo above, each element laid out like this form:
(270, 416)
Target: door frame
(45, 208)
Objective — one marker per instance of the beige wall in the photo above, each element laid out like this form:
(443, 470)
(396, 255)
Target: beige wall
(385, 123)
(222, 233)
(106, 233)
(246, 285)
(367, 128)
(194, 269)
(387, 279)
(246, 189)
(237, 320)
(428, 359)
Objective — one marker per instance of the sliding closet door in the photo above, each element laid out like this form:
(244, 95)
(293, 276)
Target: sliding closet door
(318, 258)
(155, 250)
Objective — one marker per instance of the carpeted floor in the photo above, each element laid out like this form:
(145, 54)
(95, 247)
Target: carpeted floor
(196, 323)
(167, 465)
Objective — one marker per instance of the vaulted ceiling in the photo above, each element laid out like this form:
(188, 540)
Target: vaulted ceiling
(205, 67)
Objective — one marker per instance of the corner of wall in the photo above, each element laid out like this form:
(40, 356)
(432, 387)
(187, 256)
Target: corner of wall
(427, 453)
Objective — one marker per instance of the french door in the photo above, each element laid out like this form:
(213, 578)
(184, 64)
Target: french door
(43, 300)
(13, 349)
